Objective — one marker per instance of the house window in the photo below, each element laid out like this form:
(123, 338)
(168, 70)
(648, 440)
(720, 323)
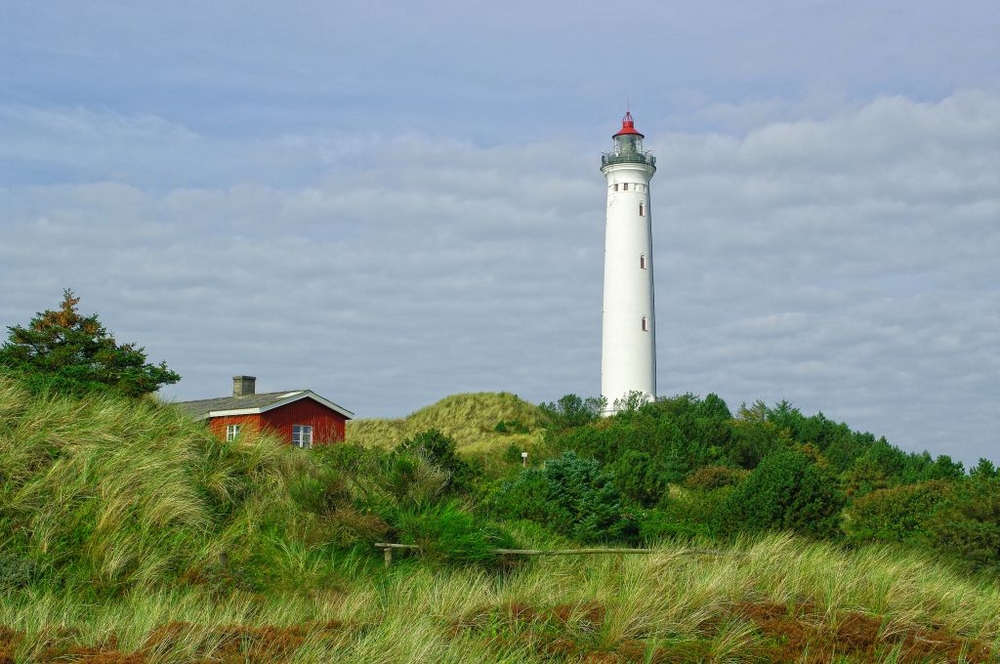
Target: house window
(232, 430)
(642, 261)
(625, 186)
(645, 327)
(302, 436)
(642, 210)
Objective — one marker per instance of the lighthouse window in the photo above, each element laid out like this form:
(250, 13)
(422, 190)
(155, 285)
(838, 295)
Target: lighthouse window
(616, 186)
(625, 186)
(645, 327)
(642, 262)
(642, 210)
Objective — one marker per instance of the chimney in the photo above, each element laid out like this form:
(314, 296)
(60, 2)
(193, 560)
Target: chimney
(244, 386)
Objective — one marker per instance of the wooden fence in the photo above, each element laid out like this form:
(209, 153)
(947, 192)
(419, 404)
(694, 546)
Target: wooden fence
(388, 548)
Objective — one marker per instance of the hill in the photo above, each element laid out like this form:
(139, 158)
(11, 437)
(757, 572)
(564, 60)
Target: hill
(477, 422)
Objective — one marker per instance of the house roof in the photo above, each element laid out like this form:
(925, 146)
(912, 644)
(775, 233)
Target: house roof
(254, 404)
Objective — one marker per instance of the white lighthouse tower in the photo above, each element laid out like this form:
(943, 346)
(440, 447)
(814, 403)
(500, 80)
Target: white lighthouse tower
(628, 352)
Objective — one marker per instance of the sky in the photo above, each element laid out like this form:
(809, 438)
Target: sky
(392, 202)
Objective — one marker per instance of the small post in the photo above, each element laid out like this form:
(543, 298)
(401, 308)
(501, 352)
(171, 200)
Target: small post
(524, 459)
(387, 556)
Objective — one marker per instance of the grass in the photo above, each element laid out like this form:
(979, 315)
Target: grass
(114, 515)
(772, 599)
(106, 493)
(470, 419)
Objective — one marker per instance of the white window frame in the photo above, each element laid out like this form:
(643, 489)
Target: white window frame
(232, 431)
(302, 436)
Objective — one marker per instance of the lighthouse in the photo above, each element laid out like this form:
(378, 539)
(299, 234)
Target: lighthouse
(628, 346)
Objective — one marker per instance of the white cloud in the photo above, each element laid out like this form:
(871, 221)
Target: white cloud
(845, 262)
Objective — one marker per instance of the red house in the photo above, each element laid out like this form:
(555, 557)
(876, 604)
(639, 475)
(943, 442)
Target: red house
(301, 417)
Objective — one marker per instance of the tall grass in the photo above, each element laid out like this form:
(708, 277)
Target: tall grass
(106, 493)
(673, 602)
(123, 510)
(470, 419)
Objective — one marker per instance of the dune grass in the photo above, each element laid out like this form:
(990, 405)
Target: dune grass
(765, 599)
(106, 493)
(478, 422)
(130, 534)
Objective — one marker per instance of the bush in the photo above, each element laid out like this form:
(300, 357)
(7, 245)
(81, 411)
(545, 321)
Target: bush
(686, 513)
(672, 522)
(511, 426)
(640, 478)
(786, 492)
(899, 514)
(440, 450)
(708, 478)
(967, 524)
(752, 441)
(448, 535)
(412, 479)
(571, 495)
(571, 411)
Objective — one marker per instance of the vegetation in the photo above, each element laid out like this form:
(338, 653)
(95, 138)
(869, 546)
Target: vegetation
(773, 599)
(128, 533)
(62, 351)
(570, 495)
(476, 422)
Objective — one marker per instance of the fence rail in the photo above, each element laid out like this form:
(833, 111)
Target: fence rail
(387, 549)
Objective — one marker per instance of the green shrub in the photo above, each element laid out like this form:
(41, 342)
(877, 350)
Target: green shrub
(411, 479)
(899, 514)
(685, 513)
(511, 426)
(571, 495)
(640, 478)
(753, 440)
(671, 523)
(967, 524)
(708, 478)
(439, 450)
(448, 535)
(571, 411)
(787, 491)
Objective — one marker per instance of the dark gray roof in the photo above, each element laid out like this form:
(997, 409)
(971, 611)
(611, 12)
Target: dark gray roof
(254, 402)
(203, 407)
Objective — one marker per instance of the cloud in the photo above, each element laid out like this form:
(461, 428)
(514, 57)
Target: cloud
(844, 261)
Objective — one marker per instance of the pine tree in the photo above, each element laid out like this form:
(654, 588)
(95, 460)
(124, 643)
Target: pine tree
(65, 352)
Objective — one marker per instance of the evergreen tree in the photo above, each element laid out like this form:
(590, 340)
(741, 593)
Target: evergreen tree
(66, 352)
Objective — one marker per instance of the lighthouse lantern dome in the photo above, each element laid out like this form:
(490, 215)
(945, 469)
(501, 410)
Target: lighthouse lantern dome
(628, 139)
(628, 146)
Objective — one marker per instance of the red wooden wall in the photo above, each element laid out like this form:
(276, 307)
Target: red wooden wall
(328, 426)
